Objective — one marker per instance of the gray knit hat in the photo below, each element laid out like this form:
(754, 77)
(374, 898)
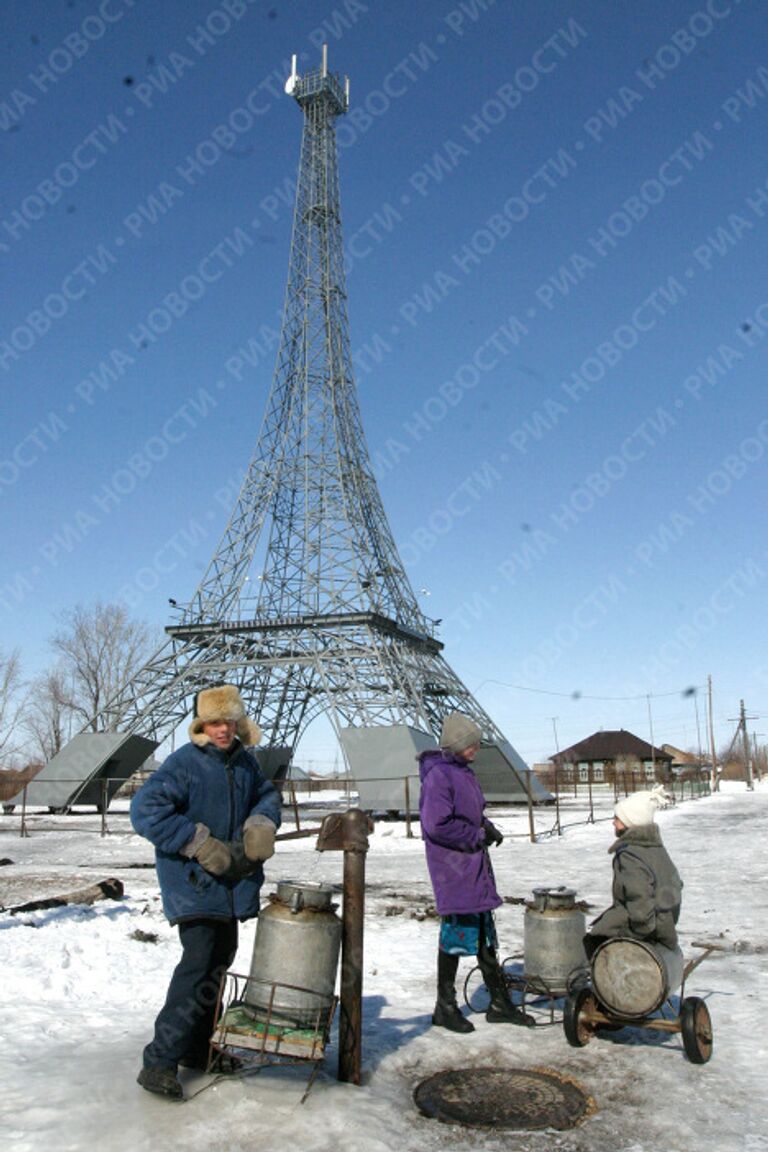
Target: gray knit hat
(459, 732)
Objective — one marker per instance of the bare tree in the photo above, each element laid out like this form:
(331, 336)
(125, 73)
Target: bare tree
(100, 648)
(732, 761)
(11, 706)
(48, 718)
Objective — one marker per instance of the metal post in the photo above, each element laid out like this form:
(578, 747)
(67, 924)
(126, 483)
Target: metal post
(23, 830)
(557, 803)
(557, 791)
(408, 831)
(294, 804)
(531, 825)
(355, 826)
(104, 782)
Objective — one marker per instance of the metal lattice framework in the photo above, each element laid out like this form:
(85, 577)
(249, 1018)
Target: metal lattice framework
(306, 605)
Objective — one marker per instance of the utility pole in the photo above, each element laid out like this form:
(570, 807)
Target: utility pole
(742, 722)
(650, 726)
(699, 752)
(713, 778)
(558, 827)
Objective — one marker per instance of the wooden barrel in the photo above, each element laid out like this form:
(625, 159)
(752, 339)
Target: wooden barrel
(632, 978)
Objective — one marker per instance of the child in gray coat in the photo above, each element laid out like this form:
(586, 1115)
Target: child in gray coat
(647, 888)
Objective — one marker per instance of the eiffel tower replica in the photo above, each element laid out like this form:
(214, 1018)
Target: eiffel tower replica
(305, 606)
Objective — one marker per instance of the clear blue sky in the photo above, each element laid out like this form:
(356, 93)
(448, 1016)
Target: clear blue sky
(556, 218)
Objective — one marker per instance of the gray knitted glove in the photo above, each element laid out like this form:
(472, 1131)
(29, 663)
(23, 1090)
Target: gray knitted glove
(259, 837)
(210, 853)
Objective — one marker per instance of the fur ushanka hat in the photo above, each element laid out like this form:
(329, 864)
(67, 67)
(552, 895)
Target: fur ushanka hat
(222, 703)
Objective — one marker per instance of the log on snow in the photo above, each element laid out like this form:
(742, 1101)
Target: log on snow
(110, 889)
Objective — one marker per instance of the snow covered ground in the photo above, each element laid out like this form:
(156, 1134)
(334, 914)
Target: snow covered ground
(80, 992)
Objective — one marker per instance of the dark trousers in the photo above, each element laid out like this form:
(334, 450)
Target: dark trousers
(592, 943)
(186, 1020)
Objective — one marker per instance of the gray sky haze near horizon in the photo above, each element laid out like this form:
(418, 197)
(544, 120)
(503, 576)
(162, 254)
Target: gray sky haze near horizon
(556, 234)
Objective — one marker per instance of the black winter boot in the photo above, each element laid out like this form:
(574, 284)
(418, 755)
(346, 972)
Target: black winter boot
(501, 1010)
(161, 1081)
(447, 1013)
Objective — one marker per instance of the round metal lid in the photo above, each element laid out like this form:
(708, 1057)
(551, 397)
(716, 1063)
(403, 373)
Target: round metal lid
(560, 897)
(513, 1098)
(304, 893)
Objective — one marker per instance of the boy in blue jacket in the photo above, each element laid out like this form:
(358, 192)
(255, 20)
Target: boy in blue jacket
(212, 817)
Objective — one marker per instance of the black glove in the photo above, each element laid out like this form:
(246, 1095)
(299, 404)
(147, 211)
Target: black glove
(492, 835)
(241, 866)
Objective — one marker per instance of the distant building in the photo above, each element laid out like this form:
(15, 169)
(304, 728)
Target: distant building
(685, 765)
(608, 754)
(679, 756)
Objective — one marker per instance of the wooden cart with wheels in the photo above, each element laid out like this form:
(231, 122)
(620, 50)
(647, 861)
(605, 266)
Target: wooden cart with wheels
(696, 1027)
(580, 1014)
(630, 986)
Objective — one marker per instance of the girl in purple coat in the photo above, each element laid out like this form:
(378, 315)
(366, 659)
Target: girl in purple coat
(457, 836)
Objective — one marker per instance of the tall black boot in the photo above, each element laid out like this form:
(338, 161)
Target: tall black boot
(501, 1010)
(447, 1013)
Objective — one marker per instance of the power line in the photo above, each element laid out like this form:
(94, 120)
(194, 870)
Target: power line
(689, 690)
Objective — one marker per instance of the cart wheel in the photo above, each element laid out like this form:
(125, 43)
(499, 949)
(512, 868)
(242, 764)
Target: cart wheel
(476, 995)
(577, 1031)
(696, 1026)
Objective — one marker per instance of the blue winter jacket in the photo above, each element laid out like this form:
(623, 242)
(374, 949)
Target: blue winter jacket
(208, 786)
(453, 827)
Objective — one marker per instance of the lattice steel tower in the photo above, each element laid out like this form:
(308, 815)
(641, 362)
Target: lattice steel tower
(306, 605)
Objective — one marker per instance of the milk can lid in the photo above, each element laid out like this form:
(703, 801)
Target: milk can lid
(307, 893)
(551, 897)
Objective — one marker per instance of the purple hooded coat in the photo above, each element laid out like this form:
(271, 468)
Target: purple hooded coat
(453, 829)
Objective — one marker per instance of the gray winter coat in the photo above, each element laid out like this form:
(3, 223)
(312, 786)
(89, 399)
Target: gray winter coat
(646, 890)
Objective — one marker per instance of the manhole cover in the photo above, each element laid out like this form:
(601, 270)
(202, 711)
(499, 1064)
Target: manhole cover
(503, 1098)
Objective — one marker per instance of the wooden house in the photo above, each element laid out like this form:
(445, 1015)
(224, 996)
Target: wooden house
(606, 755)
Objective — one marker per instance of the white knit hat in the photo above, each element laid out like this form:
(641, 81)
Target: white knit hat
(459, 732)
(641, 807)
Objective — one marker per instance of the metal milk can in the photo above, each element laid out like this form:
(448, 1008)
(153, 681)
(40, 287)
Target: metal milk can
(634, 977)
(295, 955)
(553, 938)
